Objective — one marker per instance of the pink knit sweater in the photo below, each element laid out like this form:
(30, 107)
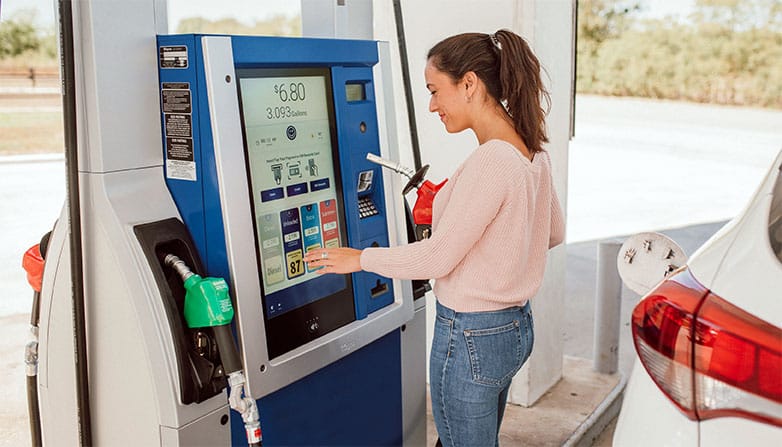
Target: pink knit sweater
(492, 226)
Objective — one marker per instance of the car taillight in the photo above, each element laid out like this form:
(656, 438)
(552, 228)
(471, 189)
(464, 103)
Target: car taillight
(662, 326)
(709, 357)
(738, 363)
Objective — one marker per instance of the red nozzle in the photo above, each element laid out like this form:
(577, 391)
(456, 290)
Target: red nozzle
(422, 211)
(32, 261)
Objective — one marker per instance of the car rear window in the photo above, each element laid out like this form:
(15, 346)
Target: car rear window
(775, 218)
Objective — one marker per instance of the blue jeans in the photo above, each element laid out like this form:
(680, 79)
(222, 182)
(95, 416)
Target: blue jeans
(474, 357)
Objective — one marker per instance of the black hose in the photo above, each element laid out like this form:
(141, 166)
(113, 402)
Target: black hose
(229, 355)
(35, 314)
(67, 64)
(33, 411)
(400, 36)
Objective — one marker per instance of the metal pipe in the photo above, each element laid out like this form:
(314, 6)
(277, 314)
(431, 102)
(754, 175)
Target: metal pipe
(179, 266)
(608, 303)
(31, 370)
(400, 35)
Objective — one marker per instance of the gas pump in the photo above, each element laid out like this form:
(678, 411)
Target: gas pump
(196, 298)
(265, 156)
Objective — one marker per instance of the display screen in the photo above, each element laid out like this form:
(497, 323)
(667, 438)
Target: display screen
(290, 142)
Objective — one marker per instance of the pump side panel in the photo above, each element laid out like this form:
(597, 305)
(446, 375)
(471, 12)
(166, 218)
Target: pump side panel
(56, 370)
(355, 401)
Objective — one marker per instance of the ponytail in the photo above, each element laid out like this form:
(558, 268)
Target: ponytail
(511, 72)
(522, 88)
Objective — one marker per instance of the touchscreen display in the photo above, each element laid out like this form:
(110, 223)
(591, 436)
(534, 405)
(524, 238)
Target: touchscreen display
(294, 182)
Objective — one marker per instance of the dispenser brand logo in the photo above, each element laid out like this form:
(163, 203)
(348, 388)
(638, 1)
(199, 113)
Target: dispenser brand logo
(290, 132)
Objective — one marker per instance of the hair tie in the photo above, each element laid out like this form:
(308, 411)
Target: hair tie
(495, 41)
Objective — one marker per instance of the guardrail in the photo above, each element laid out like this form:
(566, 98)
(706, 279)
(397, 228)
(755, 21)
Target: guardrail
(30, 77)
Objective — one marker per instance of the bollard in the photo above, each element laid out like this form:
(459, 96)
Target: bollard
(608, 303)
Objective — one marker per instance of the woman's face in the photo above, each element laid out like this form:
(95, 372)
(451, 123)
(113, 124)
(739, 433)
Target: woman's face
(448, 99)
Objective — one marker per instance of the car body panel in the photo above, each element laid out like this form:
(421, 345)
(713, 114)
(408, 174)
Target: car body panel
(742, 250)
(648, 418)
(731, 431)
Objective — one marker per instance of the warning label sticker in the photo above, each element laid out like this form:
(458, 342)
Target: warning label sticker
(180, 163)
(173, 57)
(178, 122)
(179, 148)
(180, 170)
(176, 100)
(178, 125)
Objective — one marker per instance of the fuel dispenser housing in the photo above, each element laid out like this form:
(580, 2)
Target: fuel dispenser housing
(279, 132)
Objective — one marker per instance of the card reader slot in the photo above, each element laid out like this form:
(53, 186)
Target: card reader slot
(380, 288)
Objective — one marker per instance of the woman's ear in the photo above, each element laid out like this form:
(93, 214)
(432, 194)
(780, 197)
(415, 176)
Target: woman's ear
(470, 82)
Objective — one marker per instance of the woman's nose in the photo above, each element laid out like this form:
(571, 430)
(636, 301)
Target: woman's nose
(432, 105)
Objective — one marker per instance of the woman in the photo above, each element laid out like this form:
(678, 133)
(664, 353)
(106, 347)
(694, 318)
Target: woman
(493, 223)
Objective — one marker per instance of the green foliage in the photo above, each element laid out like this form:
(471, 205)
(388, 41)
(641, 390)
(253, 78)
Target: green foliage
(25, 44)
(18, 35)
(278, 25)
(729, 52)
(598, 21)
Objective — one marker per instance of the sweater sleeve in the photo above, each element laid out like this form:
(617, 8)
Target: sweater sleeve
(557, 221)
(477, 196)
(557, 234)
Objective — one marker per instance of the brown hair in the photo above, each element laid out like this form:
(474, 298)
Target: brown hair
(510, 71)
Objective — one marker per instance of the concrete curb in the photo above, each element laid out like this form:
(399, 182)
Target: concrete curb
(30, 91)
(31, 158)
(589, 430)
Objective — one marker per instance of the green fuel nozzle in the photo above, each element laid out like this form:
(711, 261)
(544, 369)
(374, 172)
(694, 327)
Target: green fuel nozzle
(207, 302)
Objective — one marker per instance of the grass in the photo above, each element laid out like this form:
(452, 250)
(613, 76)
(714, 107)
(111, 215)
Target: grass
(33, 132)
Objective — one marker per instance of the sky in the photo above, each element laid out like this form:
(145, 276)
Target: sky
(252, 10)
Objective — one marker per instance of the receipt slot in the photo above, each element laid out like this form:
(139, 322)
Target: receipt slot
(265, 144)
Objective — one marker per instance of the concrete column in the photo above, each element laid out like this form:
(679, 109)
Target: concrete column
(343, 19)
(552, 38)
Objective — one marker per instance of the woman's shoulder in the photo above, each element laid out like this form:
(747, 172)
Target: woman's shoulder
(503, 153)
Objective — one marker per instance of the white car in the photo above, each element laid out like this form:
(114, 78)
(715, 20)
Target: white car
(709, 343)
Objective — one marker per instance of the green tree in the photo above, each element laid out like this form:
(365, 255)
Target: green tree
(599, 21)
(739, 15)
(278, 25)
(18, 35)
(728, 52)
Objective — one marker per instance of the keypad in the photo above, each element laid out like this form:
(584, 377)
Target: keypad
(366, 208)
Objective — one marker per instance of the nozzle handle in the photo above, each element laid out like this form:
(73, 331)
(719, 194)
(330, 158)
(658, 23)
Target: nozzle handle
(394, 166)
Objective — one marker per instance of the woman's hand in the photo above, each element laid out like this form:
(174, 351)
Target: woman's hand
(334, 260)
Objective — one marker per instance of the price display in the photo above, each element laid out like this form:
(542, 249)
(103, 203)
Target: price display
(292, 174)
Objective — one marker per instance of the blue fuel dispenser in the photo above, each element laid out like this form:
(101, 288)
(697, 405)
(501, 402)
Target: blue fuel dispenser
(265, 145)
